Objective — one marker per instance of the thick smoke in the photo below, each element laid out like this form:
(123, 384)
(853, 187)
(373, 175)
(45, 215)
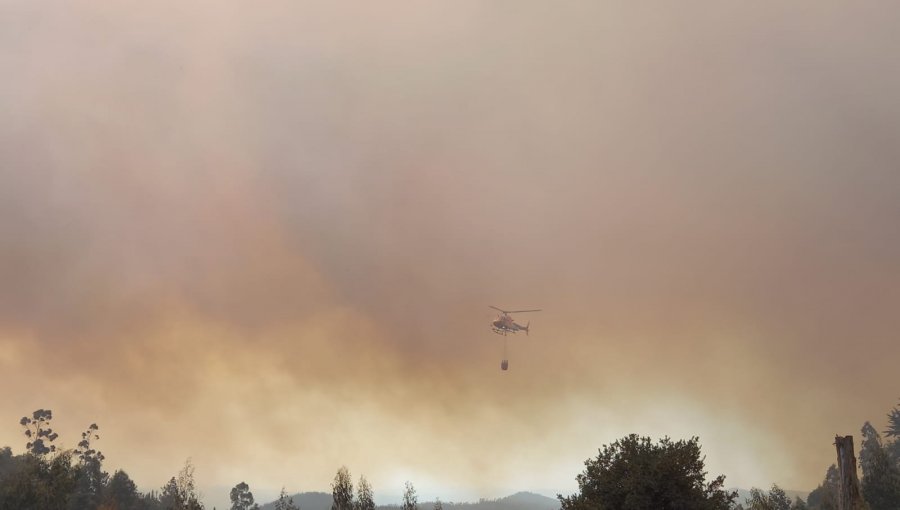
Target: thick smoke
(267, 235)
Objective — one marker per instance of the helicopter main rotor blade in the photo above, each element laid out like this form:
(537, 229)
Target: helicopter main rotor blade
(495, 308)
(522, 311)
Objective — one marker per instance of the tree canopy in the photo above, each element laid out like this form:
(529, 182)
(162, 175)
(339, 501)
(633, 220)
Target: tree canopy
(880, 482)
(893, 423)
(410, 500)
(284, 502)
(776, 499)
(242, 498)
(365, 497)
(342, 490)
(825, 496)
(634, 473)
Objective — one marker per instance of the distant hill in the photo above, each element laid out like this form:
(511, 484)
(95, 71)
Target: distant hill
(307, 501)
(517, 501)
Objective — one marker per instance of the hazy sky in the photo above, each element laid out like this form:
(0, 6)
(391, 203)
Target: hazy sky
(265, 235)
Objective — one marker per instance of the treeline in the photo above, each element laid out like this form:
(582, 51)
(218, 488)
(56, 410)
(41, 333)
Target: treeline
(343, 496)
(879, 477)
(633, 473)
(44, 478)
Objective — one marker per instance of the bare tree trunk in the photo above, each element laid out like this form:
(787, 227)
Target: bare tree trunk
(850, 497)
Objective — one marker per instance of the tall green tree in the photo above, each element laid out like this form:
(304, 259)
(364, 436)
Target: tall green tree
(90, 474)
(38, 480)
(342, 490)
(284, 502)
(152, 500)
(39, 483)
(121, 493)
(880, 482)
(868, 448)
(410, 500)
(776, 499)
(169, 498)
(825, 496)
(365, 497)
(893, 432)
(242, 498)
(39, 433)
(9, 463)
(633, 473)
(180, 493)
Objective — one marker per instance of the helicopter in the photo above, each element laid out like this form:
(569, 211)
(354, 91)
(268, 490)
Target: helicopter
(505, 324)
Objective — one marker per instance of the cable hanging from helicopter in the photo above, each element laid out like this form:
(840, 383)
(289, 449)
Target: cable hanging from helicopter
(504, 363)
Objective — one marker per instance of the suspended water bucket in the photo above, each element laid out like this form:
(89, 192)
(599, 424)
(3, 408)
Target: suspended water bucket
(504, 365)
